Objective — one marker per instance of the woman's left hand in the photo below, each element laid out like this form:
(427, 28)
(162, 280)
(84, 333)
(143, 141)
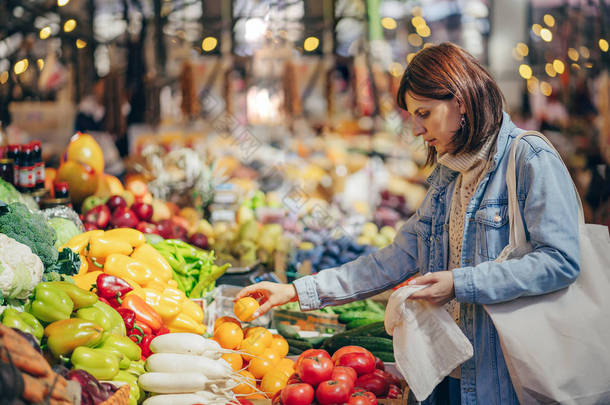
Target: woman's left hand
(440, 288)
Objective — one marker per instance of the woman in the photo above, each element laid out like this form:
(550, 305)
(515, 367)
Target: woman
(462, 224)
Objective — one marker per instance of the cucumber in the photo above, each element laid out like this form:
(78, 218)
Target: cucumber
(356, 323)
(287, 331)
(347, 317)
(315, 342)
(371, 343)
(295, 351)
(300, 344)
(387, 357)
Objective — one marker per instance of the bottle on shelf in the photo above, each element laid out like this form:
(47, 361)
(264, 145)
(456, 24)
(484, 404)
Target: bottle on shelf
(27, 180)
(13, 154)
(38, 165)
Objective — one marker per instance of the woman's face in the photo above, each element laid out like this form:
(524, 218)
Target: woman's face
(436, 121)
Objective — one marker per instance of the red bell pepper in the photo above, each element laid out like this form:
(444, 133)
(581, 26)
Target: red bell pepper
(112, 288)
(145, 345)
(129, 318)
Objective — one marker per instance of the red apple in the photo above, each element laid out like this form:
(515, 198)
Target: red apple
(123, 217)
(98, 215)
(143, 211)
(90, 226)
(116, 201)
(198, 239)
(170, 230)
(147, 227)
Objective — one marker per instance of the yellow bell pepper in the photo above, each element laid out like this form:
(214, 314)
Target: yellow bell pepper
(172, 283)
(132, 236)
(84, 265)
(156, 285)
(192, 309)
(149, 256)
(166, 307)
(103, 246)
(123, 266)
(85, 281)
(184, 323)
(80, 242)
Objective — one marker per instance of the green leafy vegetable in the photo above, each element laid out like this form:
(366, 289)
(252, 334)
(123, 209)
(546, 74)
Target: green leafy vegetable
(68, 263)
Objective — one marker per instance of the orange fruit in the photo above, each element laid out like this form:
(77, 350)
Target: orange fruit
(259, 367)
(280, 345)
(228, 335)
(84, 148)
(244, 308)
(234, 360)
(224, 319)
(271, 355)
(255, 396)
(251, 348)
(286, 366)
(246, 387)
(272, 382)
(260, 333)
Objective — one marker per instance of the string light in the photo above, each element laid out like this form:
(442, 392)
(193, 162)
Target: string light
(389, 23)
(410, 57)
(418, 21)
(575, 66)
(69, 25)
(588, 65)
(396, 69)
(423, 30)
(80, 44)
(546, 35)
(558, 66)
(415, 39)
(62, 3)
(522, 49)
(311, 43)
(45, 32)
(525, 71)
(416, 11)
(549, 20)
(21, 66)
(537, 28)
(546, 89)
(532, 85)
(517, 55)
(573, 54)
(40, 63)
(603, 45)
(3, 77)
(550, 70)
(209, 43)
(584, 51)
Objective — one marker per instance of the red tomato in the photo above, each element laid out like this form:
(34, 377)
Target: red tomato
(313, 370)
(341, 373)
(319, 353)
(332, 392)
(372, 398)
(297, 394)
(350, 349)
(389, 377)
(294, 379)
(360, 362)
(362, 398)
(374, 383)
(394, 392)
(379, 363)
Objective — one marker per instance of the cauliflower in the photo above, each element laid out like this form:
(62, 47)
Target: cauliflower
(20, 269)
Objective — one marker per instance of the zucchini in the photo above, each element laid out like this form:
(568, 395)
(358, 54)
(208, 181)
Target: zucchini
(287, 331)
(347, 317)
(387, 357)
(300, 344)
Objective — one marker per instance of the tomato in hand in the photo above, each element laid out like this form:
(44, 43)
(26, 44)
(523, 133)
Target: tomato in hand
(313, 370)
(374, 383)
(297, 394)
(360, 362)
(319, 353)
(332, 392)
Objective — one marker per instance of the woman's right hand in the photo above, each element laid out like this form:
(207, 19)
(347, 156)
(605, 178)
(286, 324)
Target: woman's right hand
(271, 294)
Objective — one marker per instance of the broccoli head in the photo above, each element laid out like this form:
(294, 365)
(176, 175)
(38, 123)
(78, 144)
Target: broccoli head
(29, 228)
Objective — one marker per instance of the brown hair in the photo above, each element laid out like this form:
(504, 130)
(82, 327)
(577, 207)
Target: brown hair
(445, 71)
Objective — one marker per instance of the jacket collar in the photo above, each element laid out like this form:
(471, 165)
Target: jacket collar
(442, 175)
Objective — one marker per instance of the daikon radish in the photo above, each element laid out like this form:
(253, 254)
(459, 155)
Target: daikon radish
(172, 383)
(188, 363)
(187, 343)
(174, 399)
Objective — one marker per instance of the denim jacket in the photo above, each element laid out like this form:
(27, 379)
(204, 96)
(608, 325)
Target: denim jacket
(549, 207)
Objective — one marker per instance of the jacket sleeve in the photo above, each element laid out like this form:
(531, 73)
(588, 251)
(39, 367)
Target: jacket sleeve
(363, 277)
(550, 213)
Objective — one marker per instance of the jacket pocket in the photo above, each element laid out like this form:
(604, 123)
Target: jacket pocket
(492, 230)
(423, 229)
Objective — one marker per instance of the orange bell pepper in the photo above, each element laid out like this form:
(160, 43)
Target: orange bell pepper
(149, 256)
(122, 266)
(132, 236)
(145, 314)
(167, 307)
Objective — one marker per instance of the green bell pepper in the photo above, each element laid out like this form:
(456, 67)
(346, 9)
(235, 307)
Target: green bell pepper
(136, 368)
(96, 315)
(135, 392)
(67, 334)
(50, 303)
(123, 360)
(123, 345)
(23, 321)
(118, 326)
(80, 298)
(102, 364)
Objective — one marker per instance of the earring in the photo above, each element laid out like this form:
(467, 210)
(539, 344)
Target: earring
(462, 122)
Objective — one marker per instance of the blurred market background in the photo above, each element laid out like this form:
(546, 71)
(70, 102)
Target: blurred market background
(284, 111)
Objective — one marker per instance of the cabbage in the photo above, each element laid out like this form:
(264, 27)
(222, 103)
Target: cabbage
(64, 228)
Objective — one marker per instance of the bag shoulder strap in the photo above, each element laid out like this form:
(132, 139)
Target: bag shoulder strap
(517, 229)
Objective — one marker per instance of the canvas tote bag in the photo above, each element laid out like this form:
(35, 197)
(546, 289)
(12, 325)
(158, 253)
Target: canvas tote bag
(557, 345)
